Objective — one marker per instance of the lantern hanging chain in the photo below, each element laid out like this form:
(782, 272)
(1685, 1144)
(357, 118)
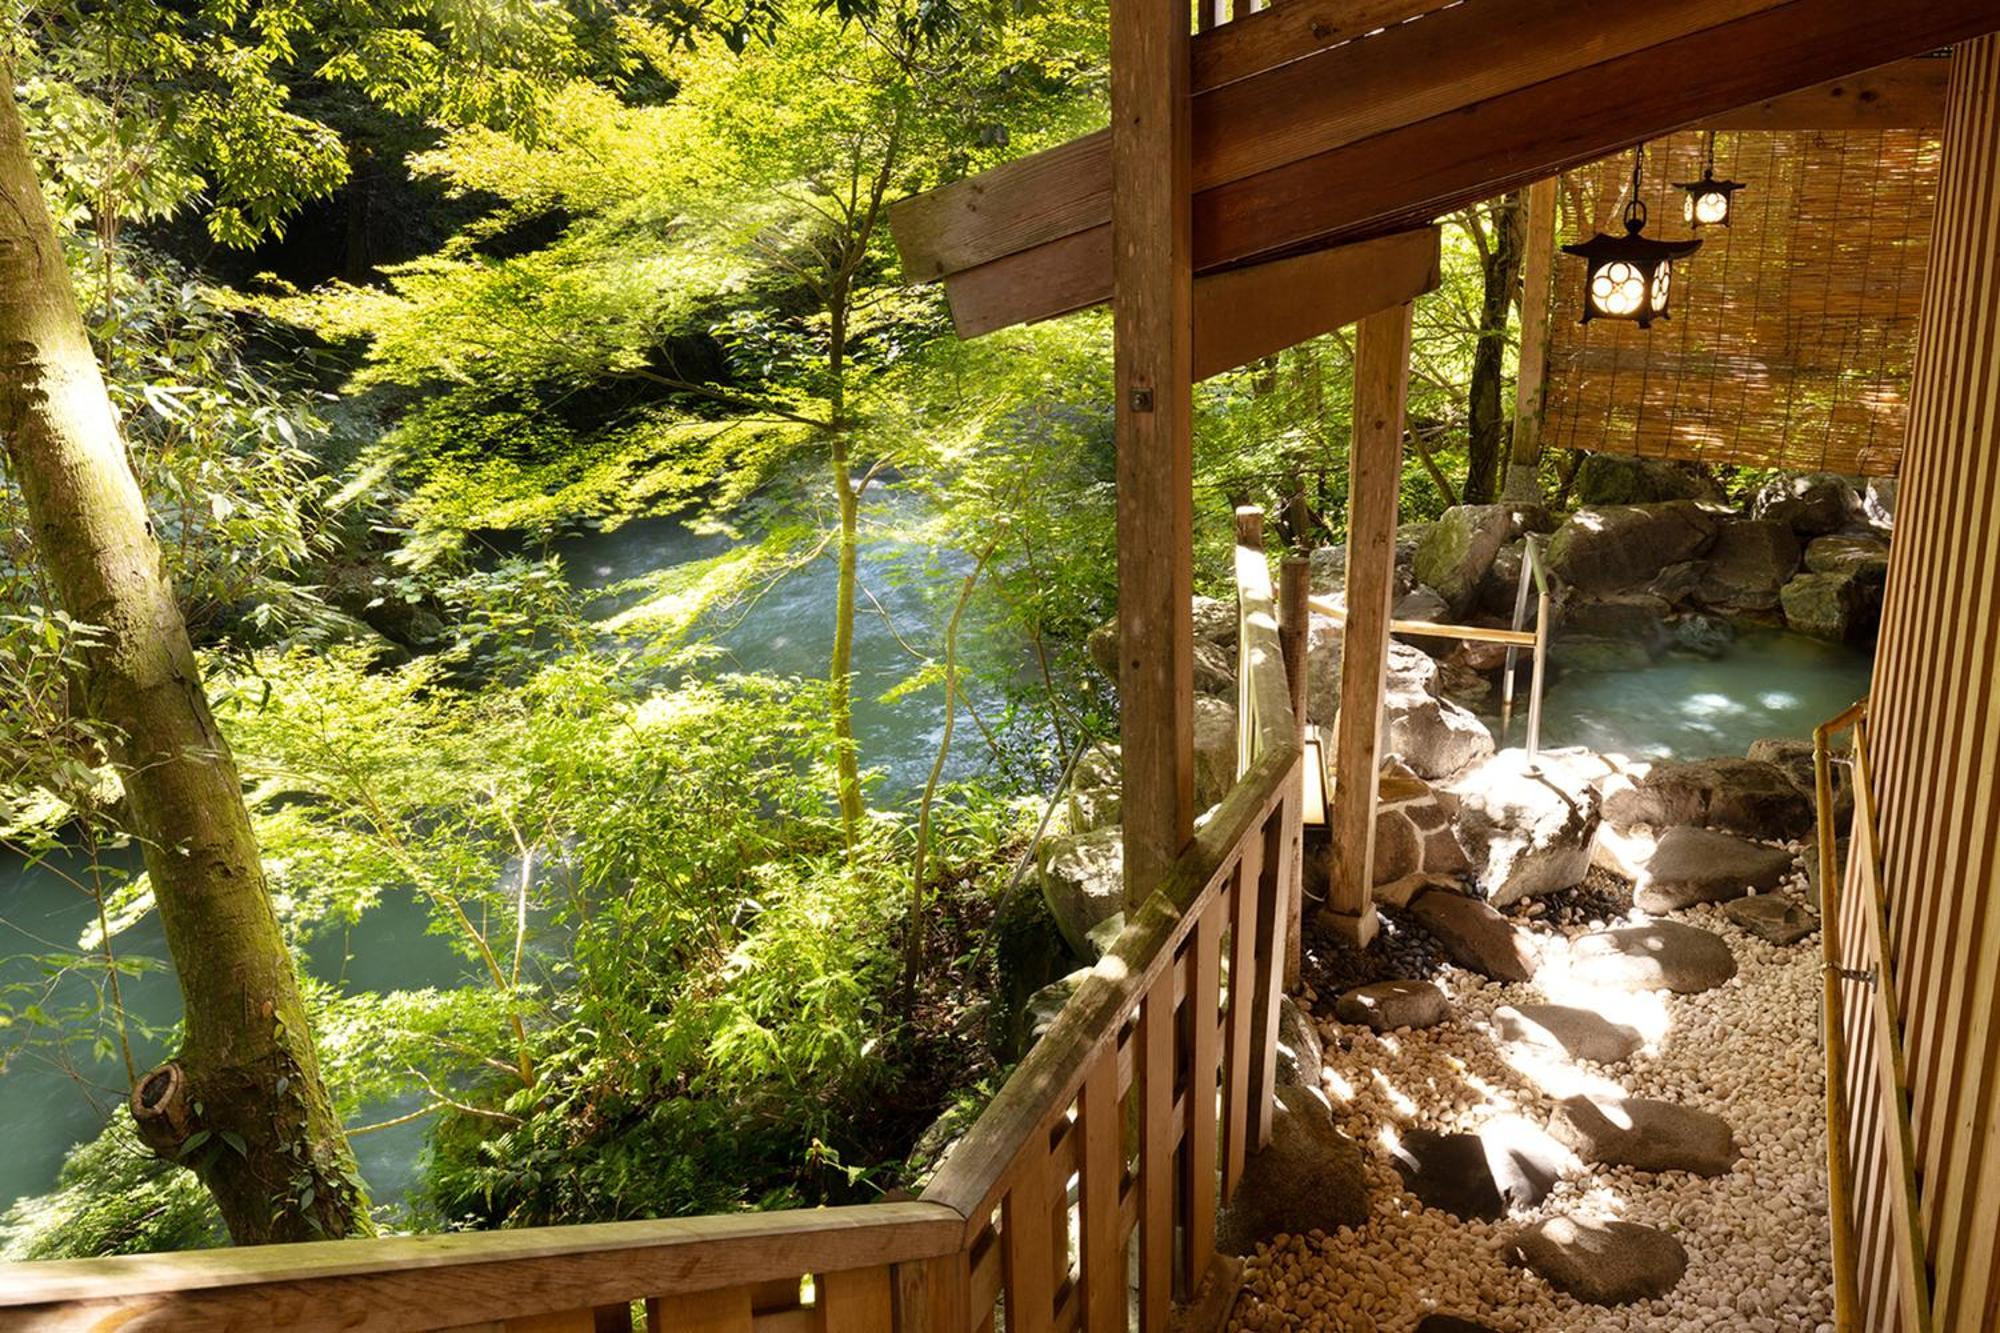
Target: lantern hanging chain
(1635, 207)
(1708, 171)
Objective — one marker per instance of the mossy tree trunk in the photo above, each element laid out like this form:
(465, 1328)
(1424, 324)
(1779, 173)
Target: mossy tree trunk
(242, 1102)
(1486, 413)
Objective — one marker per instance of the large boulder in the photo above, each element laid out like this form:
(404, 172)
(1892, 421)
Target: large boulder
(1214, 749)
(1747, 796)
(1626, 546)
(1301, 1059)
(1661, 955)
(1388, 1005)
(1474, 935)
(1455, 554)
(1828, 606)
(1697, 865)
(1613, 479)
(1862, 558)
(1810, 503)
(1795, 757)
(1083, 881)
(1309, 1177)
(1434, 736)
(1416, 836)
(1878, 503)
(1580, 1034)
(1032, 952)
(1323, 641)
(1529, 827)
(1602, 1263)
(1646, 1134)
(1611, 633)
(1508, 1164)
(1093, 799)
(1748, 566)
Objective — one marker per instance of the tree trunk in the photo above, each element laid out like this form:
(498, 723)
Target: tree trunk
(242, 1103)
(1486, 434)
(847, 758)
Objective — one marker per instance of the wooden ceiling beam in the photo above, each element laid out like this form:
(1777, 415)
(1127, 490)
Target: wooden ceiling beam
(1031, 240)
(1246, 313)
(1907, 95)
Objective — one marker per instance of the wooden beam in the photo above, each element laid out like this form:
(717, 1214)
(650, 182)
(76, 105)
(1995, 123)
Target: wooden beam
(1375, 469)
(1907, 95)
(1525, 453)
(1389, 132)
(1247, 313)
(1152, 351)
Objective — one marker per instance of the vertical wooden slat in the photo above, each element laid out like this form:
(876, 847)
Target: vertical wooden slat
(1101, 1262)
(1294, 631)
(1156, 1155)
(1375, 466)
(1024, 1231)
(1241, 1055)
(859, 1300)
(1264, 988)
(1199, 1150)
(1153, 369)
(726, 1310)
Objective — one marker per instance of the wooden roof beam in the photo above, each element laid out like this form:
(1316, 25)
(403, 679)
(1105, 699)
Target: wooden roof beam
(1388, 132)
(1907, 95)
(1246, 313)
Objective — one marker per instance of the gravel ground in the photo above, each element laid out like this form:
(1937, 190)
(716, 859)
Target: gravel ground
(1756, 1238)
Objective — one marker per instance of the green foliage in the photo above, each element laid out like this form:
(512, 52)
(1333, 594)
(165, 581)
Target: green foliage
(113, 1197)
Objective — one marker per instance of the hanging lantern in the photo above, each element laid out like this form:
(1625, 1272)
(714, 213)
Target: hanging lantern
(1708, 199)
(1630, 277)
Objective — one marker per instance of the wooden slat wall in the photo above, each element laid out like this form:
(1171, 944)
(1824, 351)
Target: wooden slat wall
(1935, 746)
(1792, 330)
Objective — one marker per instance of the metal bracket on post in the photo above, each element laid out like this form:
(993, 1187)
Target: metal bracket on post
(1865, 975)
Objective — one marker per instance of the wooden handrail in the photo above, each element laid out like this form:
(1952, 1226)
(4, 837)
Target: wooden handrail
(434, 1281)
(1885, 1083)
(1482, 633)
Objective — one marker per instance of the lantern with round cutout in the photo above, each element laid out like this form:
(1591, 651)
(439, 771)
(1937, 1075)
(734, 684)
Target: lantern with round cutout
(1708, 199)
(1630, 277)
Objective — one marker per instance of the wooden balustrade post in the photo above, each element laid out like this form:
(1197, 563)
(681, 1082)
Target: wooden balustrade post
(1294, 632)
(1153, 375)
(1375, 466)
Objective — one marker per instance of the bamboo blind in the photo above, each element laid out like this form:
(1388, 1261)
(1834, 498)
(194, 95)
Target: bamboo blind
(1792, 331)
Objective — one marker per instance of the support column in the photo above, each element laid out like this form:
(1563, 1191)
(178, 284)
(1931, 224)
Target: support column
(1375, 470)
(1294, 635)
(1153, 339)
(1524, 458)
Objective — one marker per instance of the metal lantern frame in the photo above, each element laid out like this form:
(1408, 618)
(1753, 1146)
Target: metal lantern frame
(1630, 277)
(1721, 192)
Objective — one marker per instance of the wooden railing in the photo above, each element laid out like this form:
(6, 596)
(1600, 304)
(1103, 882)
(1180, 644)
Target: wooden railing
(1086, 1192)
(1881, 1271)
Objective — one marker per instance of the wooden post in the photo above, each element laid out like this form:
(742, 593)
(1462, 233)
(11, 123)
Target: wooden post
(1294, 626)
(1153, 340)
(1524, 459)
(1375, 469)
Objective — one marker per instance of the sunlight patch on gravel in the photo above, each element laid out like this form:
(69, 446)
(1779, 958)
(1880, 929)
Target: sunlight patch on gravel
(1756, 1238)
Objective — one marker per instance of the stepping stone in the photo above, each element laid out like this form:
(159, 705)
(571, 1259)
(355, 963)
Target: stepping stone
(1475, 935)
(1507, 1165)
(1603, 1263)
(1777, 919)
(1664, 955)
(1450, 1323)
(1310, 1176)
(1697, 865)
(1388, 1005)
(1646, 1134)
(1578, 1033)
